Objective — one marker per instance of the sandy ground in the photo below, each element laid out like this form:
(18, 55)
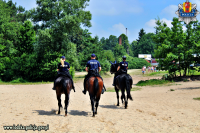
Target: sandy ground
(154, 109)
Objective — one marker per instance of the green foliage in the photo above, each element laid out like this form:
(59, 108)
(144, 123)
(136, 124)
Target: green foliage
(146, 44)
(19, 80)
(152, 82)
(72, 72)
(174, 46)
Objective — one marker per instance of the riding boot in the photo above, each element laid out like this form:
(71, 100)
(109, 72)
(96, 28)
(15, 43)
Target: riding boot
(104, 87)
(73, 86)
(84, 91)
(113, 82)
(54, 86)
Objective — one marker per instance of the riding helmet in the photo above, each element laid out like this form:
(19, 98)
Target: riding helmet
(124, 57)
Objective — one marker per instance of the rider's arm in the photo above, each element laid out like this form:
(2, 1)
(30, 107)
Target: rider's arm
(57, 70)
(86, 69)
(99, 69)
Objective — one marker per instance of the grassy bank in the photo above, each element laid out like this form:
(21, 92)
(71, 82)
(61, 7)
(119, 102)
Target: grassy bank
(152, 82)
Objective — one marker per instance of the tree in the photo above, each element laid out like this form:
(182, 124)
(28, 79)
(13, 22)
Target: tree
(109, 43)
(174, 46)
(146, 44)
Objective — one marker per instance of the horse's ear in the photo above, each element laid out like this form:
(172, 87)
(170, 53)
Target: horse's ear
(111, 62)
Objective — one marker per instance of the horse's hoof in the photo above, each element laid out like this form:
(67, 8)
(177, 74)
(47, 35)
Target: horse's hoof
(65, 115)
(117, 104)
(58, 113)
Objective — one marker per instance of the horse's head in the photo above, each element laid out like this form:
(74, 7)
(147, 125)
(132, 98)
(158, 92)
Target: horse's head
(113, 67)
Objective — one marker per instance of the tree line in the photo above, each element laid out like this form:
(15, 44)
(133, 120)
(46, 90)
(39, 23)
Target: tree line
(32, 42)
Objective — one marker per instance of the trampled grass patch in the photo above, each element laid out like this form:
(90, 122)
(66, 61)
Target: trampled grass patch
(152, 82)
(198, 98)
(112, 89)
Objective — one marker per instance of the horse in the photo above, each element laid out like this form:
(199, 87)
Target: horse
(63, 85)
(94, 86)
(123, 82)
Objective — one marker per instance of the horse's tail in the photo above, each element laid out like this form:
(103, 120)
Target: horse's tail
(127, 85)
(64, 85)
(96, 86)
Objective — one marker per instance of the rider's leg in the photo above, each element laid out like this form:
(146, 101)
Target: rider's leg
(54, 82)
(86, 77)
(103, 85)
(114, 80)
(72, 83)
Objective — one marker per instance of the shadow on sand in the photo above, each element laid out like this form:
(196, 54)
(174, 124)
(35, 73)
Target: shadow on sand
(43, 112)
(79, 113)
(190, 88)
(112, 106)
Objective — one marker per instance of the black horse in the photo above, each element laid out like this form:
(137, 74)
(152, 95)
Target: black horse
(123, 82)
(63, 85)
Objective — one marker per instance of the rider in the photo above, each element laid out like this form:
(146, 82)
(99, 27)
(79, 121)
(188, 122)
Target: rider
(93, 65)
(63, 69)
(122, 68)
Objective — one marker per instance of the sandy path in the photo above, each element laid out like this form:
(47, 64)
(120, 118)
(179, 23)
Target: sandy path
(154, 109)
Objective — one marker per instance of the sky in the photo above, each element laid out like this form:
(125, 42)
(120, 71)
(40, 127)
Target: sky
(112, 17)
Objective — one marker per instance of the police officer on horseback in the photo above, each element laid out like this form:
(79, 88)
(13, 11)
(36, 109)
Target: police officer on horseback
(63, 69)
(93, 67)
(122, 68)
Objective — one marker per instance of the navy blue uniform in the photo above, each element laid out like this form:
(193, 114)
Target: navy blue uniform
(65, 68)
(123, 65)
(93, 64)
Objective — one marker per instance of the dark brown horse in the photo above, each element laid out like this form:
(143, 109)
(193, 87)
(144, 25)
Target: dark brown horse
(124, 83)
(94, 86)
(63, 85)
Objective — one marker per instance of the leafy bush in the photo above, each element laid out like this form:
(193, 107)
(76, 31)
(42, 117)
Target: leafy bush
(19, 80)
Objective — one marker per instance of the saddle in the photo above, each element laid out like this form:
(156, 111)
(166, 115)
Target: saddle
(66, 74)
(93, 73)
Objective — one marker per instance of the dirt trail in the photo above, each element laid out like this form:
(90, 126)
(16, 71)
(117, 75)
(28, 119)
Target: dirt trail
(154, 109)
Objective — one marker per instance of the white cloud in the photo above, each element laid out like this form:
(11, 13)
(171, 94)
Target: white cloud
(113, 7)
(119, 28)
(169, 11)
(149, 26)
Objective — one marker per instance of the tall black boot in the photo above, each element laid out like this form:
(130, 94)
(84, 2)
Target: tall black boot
(73, 86)
(54, 86)
(84, 91)
(113, 82)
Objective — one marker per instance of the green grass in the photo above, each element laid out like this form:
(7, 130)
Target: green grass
(198, 98)
(112, 89)
(172, 90)
(159, 73)
(152, 82)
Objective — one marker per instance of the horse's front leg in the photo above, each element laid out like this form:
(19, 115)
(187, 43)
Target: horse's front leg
(117, 92)
(92, 104)
(66, 103)
(59, 102)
